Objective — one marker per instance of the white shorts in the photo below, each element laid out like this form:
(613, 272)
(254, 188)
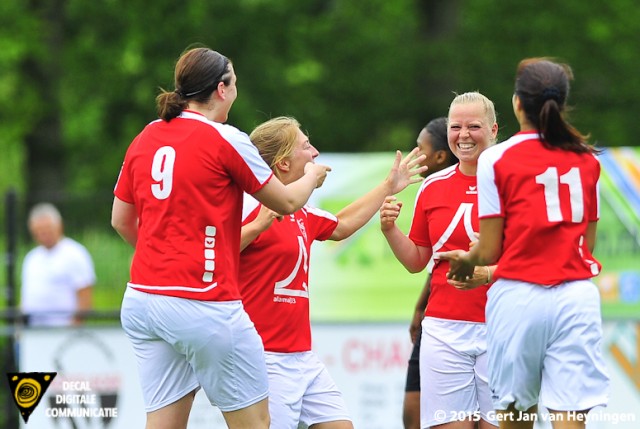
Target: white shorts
(301, 390)
(545, 346)
(453, 372)
(183, 344)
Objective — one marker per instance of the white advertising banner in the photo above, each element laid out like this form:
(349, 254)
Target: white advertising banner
(96, 386)
(96, 370)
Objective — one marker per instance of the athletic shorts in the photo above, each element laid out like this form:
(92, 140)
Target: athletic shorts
(184, 344)
(453, 372)
(545, 346)
(301, 390)
(413, 370)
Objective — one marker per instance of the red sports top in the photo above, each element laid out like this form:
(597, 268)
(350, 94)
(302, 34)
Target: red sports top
(186, 178)
(445, 218)
(274, 276)
(547, 198)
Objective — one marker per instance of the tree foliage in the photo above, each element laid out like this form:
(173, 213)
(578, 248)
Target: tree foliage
(79, 78)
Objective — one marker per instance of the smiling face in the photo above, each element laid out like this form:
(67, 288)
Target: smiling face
(470, 131)
(292, 167)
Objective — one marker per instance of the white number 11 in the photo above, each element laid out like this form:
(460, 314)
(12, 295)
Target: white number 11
(549, 179)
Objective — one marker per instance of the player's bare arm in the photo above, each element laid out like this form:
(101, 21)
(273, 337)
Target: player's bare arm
(404, 172)
(413, 257)
(124, 219)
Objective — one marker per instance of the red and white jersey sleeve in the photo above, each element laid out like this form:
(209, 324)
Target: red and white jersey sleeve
(186, 178)
(445, 218)
(547, 198)
(274, 276)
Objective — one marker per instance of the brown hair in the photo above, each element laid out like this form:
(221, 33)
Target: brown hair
(198, 71)
(542, 86)
(276, 139)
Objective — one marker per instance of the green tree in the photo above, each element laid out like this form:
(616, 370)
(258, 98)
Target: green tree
(80, 78)
(597, 40)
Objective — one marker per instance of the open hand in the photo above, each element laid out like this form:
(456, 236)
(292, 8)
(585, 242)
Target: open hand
(406, 171)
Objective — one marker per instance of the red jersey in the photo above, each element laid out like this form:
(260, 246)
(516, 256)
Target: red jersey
(547, 197)
(445, 218)
(274, 276)
(186, 178)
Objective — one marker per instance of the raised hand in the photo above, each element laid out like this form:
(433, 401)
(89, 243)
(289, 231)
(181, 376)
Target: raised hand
(406, 171)
(320, 171)
(265, 218)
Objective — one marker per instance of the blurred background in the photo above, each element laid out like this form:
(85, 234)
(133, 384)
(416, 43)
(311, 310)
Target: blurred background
(78, 81)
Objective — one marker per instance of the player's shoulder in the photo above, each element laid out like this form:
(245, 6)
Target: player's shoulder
(508, 146)
(228, 132)
(309, 210)
(438, 177)
(592, 158)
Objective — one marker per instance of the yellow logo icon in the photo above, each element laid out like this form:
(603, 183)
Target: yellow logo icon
(27, 389)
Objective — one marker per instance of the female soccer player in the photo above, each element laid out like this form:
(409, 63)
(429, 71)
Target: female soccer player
(453, 360)
(538, 210)
(432, 141)
(178, 201)
(274, 278)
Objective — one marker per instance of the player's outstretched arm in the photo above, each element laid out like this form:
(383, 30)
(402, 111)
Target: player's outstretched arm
(486, 251)
(287, 199)
(413, 257)
(404, 172)
(261, 223)
(482, 275)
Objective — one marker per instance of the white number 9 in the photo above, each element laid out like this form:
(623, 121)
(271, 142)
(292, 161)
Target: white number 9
(162, 172)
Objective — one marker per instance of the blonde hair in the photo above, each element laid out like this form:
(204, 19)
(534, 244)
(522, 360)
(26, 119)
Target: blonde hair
(476, 97)
(276, 139)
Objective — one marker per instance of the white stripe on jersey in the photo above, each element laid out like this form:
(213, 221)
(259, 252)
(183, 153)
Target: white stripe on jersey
(320, 213)
(488, 197)
(249, 204)
(183, 288)
(240, 142)
(440, 175)
(443, 174)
